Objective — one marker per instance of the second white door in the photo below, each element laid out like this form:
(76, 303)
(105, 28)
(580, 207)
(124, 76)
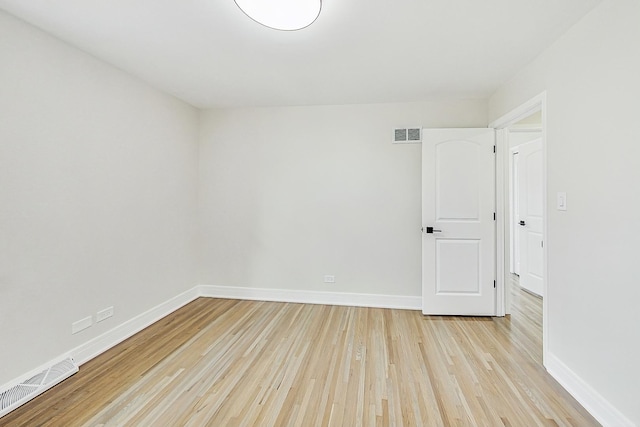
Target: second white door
(530, 194)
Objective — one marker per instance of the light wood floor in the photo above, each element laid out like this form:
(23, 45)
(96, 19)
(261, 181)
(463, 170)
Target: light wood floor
(240, 363)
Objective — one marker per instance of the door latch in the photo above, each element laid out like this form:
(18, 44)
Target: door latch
(430, 230)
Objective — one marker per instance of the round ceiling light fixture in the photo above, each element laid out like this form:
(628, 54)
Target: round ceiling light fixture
(285, 15)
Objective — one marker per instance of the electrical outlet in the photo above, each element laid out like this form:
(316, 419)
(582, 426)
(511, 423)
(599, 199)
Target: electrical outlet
(329, 279)
(104, 314)
(81, 325)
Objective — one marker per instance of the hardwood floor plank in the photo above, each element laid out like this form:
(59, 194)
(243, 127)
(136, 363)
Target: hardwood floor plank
(243, 363)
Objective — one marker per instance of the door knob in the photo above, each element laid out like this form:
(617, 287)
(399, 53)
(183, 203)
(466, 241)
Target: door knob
(430, 230)
(522, 223)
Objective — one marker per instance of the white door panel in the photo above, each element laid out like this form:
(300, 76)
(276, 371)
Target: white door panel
(456, 185)
(450, 278)
(458, 201)
(534, 258)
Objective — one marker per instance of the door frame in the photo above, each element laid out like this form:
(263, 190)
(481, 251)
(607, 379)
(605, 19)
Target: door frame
(503, 307)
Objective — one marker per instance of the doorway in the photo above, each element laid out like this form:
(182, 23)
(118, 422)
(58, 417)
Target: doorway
(517, 128)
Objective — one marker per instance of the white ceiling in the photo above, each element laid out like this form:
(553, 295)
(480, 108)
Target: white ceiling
(208, 53)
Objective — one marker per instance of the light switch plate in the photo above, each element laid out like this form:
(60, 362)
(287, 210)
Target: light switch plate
(561, 203)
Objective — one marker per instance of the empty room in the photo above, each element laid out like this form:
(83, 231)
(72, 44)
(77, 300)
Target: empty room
(319, 213)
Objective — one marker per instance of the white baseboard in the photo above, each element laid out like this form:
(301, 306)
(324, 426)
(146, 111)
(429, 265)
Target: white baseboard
(312, 297)
(104, 342)
(601, 409)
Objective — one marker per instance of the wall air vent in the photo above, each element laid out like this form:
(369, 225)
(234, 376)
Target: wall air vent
(36, 384)
(407, 135)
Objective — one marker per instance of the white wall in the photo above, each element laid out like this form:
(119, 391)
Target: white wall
(593, 90)
(289, 195)
(97, 196)
(517, 138)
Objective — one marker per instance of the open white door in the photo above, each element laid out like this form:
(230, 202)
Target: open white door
(530, 216)
(458, 205)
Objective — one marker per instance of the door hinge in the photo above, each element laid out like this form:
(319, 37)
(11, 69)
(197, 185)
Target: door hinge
(494, 284)
(494, 216)
(494, 149)
(541, 243)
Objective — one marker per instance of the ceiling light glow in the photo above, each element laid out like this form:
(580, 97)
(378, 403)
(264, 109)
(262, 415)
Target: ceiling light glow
(286, 15)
